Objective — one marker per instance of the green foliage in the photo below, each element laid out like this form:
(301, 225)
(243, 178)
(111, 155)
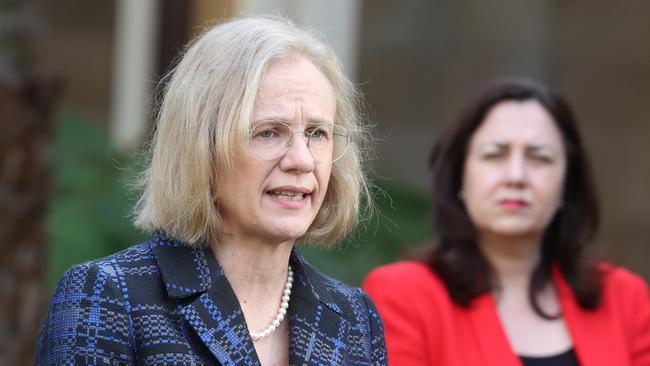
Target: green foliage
(402, 222)
(90, 211)
(90, 206)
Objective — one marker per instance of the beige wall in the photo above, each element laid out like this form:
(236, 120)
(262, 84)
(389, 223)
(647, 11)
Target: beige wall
(601, 59)
(420, 60)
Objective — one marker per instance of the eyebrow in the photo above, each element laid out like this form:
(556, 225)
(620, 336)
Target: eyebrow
(538, 147)
(533, 147)
(311, 121)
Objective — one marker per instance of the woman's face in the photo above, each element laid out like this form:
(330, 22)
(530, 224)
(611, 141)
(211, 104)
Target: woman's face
(514, 171)
(277, 200)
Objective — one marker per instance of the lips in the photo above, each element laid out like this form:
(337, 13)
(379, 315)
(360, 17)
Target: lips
(290, 196)
(513, 203)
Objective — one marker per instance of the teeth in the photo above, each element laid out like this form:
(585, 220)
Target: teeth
(288, 195)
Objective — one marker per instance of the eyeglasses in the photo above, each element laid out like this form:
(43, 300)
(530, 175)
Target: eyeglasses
(327, 142)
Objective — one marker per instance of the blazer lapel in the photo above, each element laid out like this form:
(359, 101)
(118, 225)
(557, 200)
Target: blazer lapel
(596, 342)
(318, 334)
(206, 300)
(489, 333)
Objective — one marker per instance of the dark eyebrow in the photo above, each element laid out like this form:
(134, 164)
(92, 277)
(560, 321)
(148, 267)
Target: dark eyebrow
(498, 144)
(531, 147)
(538, 147)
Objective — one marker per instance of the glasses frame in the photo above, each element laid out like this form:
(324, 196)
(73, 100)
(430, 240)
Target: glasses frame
(288, 124)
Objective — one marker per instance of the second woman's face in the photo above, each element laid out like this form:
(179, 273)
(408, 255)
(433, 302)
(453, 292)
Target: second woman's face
(277, 200)
(514, 170)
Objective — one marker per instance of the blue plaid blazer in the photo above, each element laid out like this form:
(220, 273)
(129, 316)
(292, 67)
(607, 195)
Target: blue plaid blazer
(163, 303)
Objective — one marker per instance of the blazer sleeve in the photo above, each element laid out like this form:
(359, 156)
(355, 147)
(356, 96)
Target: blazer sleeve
(638, 321)
(378, 355)
(404, 337)
(87, 322)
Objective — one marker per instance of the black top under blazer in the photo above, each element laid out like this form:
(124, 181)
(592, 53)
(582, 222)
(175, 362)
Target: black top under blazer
(163, 303)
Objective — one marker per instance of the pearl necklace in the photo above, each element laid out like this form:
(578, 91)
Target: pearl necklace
(282, 311)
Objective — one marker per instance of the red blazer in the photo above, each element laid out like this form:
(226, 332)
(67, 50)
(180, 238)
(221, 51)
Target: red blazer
(423, 326)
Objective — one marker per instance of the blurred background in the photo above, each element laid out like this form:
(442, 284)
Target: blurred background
(76, 80)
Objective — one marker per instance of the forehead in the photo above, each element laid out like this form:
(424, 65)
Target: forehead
(294, 86)
(518, 122)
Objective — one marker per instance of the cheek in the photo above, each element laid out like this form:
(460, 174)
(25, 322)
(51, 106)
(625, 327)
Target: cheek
(323, 174)
(550, 186)
(478, 180)
(474, 190)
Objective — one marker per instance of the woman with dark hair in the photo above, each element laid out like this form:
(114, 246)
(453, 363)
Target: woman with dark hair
(509, 281)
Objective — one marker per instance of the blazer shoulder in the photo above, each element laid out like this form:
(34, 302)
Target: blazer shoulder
(354, 305)
(339, 291)
(404, 277)
(80, 276)
(90, 308)
(351, 302)
(623, 284)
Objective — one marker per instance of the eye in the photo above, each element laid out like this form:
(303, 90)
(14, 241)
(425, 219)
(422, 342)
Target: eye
(317, 133)
(542, 159)
(495, 155)
(268, 130)
(267, 133)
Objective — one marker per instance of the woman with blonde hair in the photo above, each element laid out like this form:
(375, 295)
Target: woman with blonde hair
(258, 144)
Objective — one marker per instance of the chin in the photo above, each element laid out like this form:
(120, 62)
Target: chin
(515, 230)
(286, 227)
(288, 232)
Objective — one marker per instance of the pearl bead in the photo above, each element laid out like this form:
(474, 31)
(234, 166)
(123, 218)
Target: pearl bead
(282, 311)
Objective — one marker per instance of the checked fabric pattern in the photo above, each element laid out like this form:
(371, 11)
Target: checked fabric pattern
(163, 303)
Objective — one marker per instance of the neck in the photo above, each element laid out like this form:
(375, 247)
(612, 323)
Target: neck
(257, 272)
(250, 266)
(512, 258)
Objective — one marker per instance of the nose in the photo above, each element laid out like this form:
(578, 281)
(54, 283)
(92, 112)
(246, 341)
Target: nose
(298, 158)
(515, 171)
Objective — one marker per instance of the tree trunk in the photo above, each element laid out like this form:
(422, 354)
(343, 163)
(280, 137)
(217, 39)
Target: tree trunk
(25, 187)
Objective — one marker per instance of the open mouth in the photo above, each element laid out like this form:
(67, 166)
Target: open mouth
(288, 195)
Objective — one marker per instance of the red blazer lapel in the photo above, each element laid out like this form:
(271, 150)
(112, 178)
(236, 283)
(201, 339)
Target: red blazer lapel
(596, 340)
(489, 333)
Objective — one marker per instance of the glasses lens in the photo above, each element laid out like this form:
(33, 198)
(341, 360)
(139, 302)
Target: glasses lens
(270, 140)
(328, 143)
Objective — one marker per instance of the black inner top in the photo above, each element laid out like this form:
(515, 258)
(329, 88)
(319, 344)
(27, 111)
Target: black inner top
(567, 358)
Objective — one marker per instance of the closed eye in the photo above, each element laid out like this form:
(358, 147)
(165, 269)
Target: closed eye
(493, 155)
(542, 159)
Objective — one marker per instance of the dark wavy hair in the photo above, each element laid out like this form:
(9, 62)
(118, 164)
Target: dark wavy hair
(457, 258)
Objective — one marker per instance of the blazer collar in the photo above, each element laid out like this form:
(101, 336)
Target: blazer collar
(208, 303)
(310, 280)
(184, 270)
(318, 332)
(205, 299)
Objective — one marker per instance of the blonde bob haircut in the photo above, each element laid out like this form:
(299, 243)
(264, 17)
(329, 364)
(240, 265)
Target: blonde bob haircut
(205, 107)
